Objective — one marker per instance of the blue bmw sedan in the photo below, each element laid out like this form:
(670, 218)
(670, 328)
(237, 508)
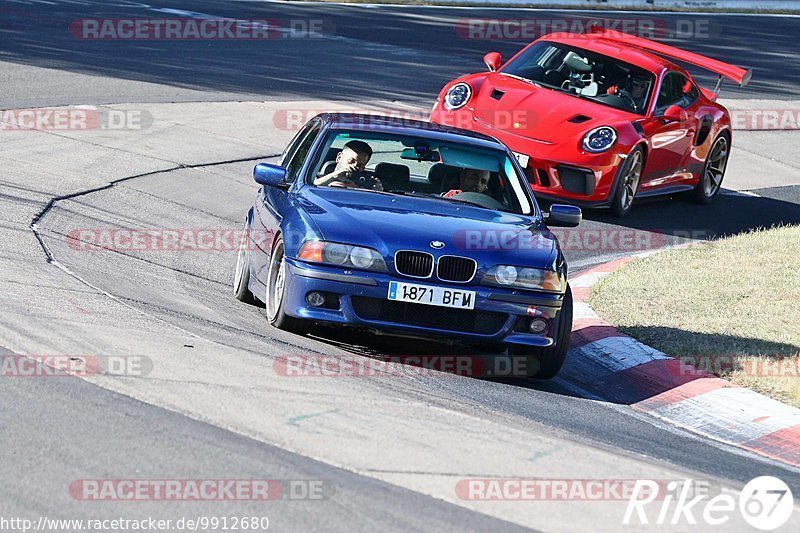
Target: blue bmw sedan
(410, 228)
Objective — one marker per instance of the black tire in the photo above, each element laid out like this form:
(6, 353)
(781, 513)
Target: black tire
(630, 175)
(545, 363)
(276, 294)
(241, 275)
(713, 170)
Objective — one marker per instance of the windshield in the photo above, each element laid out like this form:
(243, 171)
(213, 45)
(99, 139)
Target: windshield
(585, 74)
(389, 163)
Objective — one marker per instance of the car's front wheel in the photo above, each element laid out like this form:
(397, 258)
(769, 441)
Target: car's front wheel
(630, 174)
(276, 293)
(544, 363)
(713, 171)
(241, 276)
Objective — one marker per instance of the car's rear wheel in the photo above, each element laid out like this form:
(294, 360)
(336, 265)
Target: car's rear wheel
(544, 363)
(276, 293)
(628, 183)
(713, 171)
(241, 276)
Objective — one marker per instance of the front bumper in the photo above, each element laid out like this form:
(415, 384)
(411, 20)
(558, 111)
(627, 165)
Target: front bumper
(554, 171)
(500, 315)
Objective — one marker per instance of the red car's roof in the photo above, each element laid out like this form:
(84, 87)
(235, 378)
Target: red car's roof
(628, 54)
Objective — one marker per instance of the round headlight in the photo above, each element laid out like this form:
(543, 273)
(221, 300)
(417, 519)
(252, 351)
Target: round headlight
(505, 275)
(457, 96)
(530, 276)
(599, 139)
(361, 257)
(335, 253)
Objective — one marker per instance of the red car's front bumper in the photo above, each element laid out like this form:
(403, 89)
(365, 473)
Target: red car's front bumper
(554, 171)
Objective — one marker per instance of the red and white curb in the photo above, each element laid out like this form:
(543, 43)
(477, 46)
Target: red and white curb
(624, 370)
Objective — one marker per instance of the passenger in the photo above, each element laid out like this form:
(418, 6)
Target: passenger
(470, 180)
(350, 162)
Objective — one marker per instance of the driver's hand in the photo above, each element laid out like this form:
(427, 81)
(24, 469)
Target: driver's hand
(452, 192)
(345, 173)
(377, 185)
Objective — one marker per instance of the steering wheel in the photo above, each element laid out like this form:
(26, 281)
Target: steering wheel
(625, 95)
(481, 199)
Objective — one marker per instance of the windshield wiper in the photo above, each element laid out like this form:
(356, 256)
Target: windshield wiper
(454, 200)
(520, 78)
(431, 197)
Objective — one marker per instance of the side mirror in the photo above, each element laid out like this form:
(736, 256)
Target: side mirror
(675, 114)
(493, 61)
(270, 175)
(565, 216)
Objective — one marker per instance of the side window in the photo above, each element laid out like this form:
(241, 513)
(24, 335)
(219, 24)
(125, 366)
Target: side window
(678, 90)
(671, 91)
(691, 95)
(297, 159)
(290, 149)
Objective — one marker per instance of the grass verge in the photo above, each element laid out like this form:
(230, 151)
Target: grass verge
(731, 307)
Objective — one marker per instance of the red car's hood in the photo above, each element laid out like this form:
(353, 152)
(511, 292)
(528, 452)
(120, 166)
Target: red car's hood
(538, 113)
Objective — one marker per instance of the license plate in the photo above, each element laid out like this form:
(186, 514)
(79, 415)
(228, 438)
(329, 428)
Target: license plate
(428, 295)
(523, 159)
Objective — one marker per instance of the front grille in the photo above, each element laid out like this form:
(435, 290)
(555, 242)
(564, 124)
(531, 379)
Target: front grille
(529, 174)
(458, 269)
(465, 320)
(576, 180)
(415, 264)
(544, 179)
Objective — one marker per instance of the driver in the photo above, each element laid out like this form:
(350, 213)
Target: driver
(351, 161)
(639, 91)
(470, 180)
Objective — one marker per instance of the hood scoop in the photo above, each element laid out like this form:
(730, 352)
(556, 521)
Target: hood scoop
(497, 95)
(579, 119)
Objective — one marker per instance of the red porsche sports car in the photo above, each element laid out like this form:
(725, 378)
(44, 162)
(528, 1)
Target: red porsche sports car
(600, 118)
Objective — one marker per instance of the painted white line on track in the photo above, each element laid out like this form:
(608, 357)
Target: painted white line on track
(587, 280)
(615, 354)
(732, 414)
(582, 310)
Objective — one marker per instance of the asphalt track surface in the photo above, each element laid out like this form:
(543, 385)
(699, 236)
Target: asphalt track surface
(56, 431)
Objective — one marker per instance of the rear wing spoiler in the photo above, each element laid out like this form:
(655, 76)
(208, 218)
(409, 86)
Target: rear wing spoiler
(736, 74)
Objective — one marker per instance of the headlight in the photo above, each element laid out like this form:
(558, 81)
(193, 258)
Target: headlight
(343, 255)
(362, 257)
(505, 275)
(599, 139)
(523, 278)
(457, 96)
(335, 253)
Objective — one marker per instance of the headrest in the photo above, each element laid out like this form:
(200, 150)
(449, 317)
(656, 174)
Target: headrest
(444, 177)
(439, 171)
(332, 153)
(393, 176)
(327, 168)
